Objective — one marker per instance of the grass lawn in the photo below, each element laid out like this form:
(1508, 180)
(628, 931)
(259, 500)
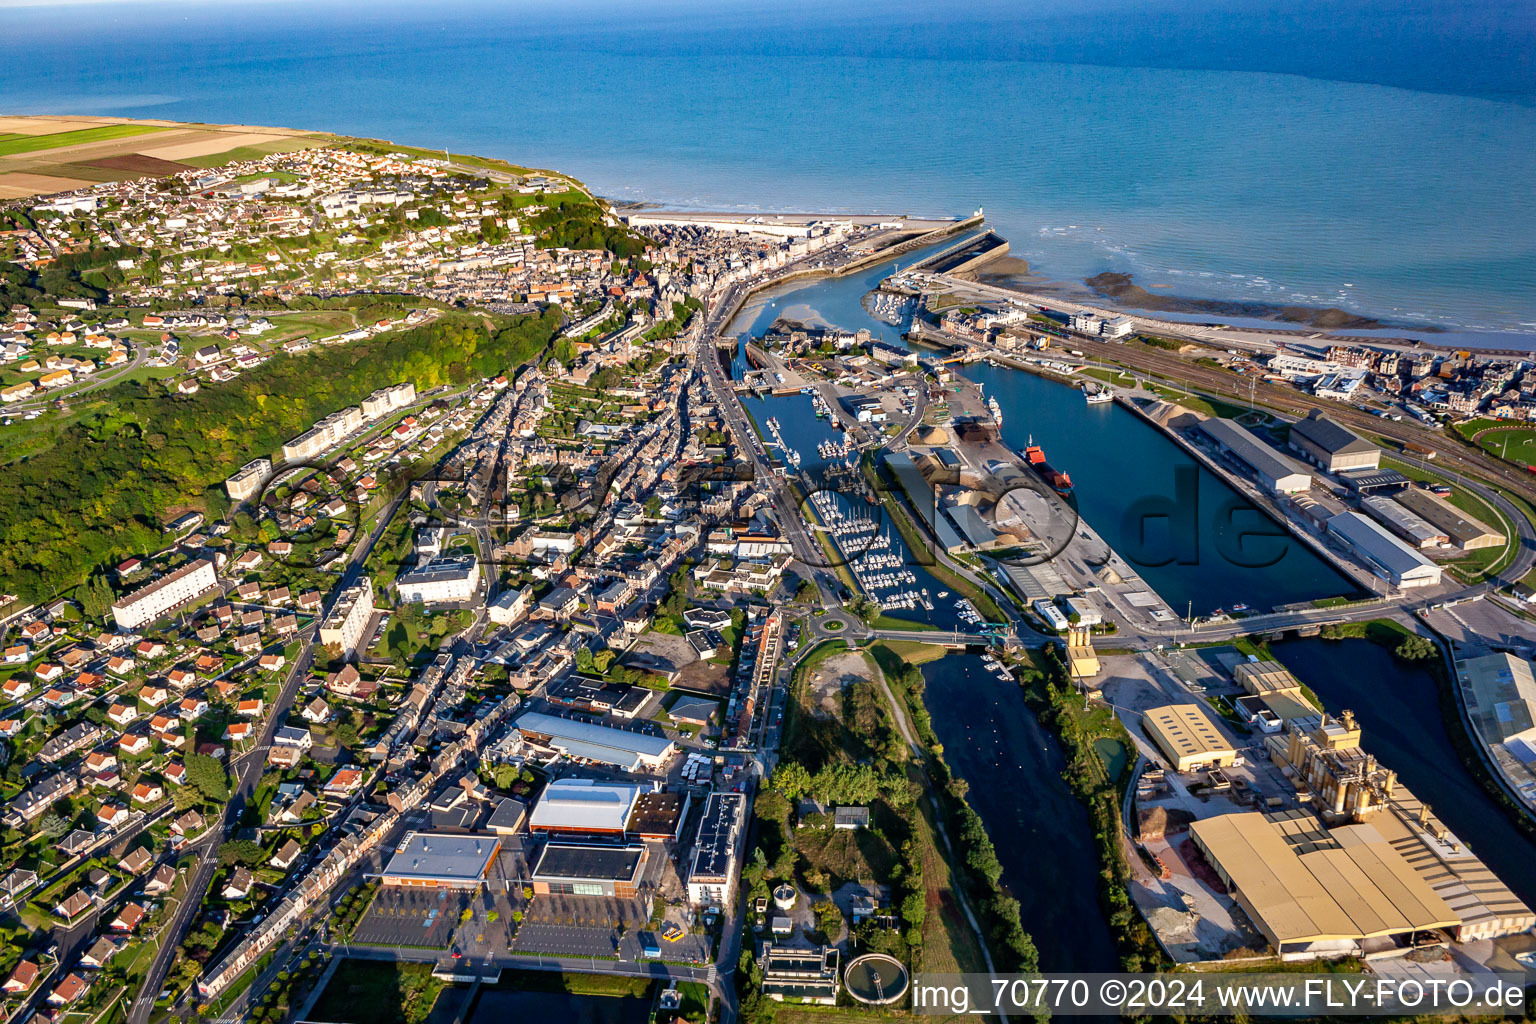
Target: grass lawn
(102, 133)
(949, 943)
(1516, 444)
(375, 992)
(913, 652)
(895, 622)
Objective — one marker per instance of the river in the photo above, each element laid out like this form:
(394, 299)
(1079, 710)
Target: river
(1040, 829)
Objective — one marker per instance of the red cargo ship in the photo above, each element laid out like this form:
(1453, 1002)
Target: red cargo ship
(1059, 481)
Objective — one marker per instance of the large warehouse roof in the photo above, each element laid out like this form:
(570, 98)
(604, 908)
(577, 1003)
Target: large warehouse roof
(433, 857)
(1305, 884)
(1331, 437)
(584, 805)
(592, 742)
(1185, 732)
(1379, 547)
(1274, 469)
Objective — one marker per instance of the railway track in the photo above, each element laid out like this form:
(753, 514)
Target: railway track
(1451, 453)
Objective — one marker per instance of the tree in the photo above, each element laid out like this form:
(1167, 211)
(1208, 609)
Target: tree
(208, 775)
(54, 826)
(791, 779)
(240, 851)
(1415, 648)
(505, 775)
(97, 596)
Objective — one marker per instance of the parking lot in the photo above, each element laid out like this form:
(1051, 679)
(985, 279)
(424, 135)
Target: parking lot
(403, 917)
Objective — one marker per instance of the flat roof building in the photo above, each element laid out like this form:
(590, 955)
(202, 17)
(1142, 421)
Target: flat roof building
(343, 625)
(584, 805)
(712, 872)
(802, 975)
(248, 479)
(601, 744)
(1332, 446)
(507, 819)
(1461, 529)
(443, 580)
(437, 860)
(1278, 474)
(1188, 738)
(1280, 691)
(1503, 692)
(573, 869)
(1387, 556)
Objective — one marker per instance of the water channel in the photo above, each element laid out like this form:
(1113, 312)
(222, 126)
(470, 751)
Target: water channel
(1040, 830)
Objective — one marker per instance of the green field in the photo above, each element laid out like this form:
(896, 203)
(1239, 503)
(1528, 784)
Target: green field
(35, 143)
(1517, 444)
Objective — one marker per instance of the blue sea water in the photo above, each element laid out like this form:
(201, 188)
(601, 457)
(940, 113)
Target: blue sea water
(1376, 155)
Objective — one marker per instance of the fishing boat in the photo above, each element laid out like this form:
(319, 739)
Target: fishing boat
(1097, 394)
(997, 412)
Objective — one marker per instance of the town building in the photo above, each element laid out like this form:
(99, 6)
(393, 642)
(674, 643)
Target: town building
(712, 871)
(248, 481)
(573, 869)
(345, 623)
(443, 580)
(585, 806)
(581, 740)
(166, 594)
(437, 860)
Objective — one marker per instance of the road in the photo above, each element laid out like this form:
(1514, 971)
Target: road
(247, 769)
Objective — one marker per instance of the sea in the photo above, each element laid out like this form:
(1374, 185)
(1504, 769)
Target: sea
(1376, 155)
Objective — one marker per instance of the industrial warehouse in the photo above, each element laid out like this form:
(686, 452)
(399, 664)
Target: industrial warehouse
(1188, 737)
(585, 806)
(1278, 474)
(580, 740)
(1361, 868)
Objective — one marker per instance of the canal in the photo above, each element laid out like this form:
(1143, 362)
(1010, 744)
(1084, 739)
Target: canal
(1014, 766)
(1194, 539)
(1401, 724)
(496, 1005)
(1179, 524)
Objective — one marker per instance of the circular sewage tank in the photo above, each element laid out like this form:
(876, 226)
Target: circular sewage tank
(876, 979)
(784, 897)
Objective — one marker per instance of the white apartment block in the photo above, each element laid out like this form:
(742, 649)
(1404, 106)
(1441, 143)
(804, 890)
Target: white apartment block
(386, 400)
(324, 435)
(441, 581)
(247, 482)
(349, 617)
(170, 591)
